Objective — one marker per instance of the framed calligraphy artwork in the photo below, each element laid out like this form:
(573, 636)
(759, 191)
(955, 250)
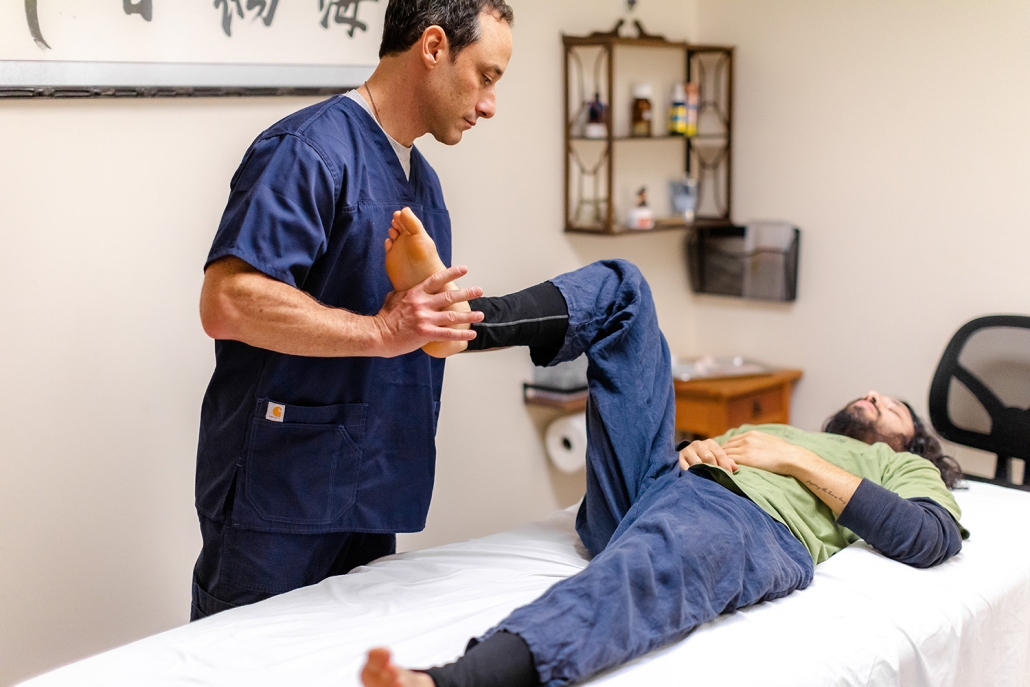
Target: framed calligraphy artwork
(168, 48)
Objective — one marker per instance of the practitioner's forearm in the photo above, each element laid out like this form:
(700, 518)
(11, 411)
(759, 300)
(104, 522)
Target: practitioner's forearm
(833, 485)
(247, 306)
(240, 303)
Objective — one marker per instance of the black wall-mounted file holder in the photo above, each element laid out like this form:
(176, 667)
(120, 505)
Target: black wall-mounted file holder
(758, 261)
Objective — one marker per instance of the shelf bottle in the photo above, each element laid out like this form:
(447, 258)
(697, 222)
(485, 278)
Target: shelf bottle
(640, 125)
(678, 111)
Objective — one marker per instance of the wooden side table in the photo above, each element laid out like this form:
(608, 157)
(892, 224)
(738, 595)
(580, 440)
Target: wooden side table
(710, 407)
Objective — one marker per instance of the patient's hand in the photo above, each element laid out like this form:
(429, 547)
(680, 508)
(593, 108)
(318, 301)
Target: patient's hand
(706, 451)
(833, 485)
(765, 452)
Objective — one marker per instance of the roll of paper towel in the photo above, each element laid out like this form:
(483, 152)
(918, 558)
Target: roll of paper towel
(566, 440)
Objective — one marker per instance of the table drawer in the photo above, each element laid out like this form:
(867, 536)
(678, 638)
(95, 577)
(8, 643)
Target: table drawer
(700, 417)
(757, 408)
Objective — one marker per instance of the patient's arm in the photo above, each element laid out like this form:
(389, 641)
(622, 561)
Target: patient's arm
(918, 532)
(833, 485)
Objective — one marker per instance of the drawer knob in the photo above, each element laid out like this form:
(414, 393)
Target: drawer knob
(756, 408)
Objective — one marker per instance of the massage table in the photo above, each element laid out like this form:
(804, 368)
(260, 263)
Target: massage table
(865, 620)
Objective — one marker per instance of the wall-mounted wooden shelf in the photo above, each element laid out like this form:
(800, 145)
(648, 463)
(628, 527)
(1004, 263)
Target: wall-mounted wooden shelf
(563, 406)
(567, 402)
(707, 156)
(715, 138)
(661, 225)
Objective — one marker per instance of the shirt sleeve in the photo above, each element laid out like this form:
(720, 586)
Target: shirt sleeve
(917, 531)
(280, 210)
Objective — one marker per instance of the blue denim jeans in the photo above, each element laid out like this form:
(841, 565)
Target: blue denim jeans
(671, 549)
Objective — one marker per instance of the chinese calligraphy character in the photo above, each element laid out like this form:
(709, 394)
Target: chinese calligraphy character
(144, 8)
(32, 17)
(265, 10)
(342, 7)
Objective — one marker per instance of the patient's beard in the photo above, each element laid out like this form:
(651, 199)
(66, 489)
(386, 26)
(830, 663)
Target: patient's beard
(847, 422)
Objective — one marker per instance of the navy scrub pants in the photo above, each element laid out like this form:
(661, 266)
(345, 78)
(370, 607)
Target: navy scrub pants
(671, 549)
(237, 567)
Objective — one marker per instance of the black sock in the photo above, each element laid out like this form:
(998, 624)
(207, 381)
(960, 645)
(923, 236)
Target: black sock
(503, 660)
(537, 317)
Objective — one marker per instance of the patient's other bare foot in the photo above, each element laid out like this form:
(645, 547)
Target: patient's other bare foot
(380, 671)
(411, 258)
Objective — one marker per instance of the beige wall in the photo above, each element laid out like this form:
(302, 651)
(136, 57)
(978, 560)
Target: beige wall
(106, 215)
(107, 209)
(895, 135)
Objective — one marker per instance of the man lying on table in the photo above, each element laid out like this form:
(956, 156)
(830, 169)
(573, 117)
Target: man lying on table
(678, 538)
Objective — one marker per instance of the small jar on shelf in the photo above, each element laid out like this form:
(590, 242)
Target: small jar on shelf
(640, 118)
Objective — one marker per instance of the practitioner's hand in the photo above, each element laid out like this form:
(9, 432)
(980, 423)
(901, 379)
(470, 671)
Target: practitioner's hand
(764, 451)
(411, 319)
(706, 451)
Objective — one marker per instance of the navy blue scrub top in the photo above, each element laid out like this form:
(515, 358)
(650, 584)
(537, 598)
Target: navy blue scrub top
(322, 444)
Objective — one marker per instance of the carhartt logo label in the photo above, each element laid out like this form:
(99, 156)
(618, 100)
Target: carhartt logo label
(276, 412)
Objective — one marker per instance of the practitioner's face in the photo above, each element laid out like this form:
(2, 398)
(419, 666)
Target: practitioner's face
(875, 417)
(460, 91)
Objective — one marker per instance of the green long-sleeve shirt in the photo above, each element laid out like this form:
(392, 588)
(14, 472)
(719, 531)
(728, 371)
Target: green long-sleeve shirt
(807, 517)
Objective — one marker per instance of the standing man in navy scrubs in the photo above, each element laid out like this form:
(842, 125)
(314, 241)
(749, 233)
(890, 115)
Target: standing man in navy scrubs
(317, 435)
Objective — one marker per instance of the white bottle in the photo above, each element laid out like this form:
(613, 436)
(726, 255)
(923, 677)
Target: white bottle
(641, 217)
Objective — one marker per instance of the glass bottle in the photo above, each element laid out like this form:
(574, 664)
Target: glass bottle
(640, 121)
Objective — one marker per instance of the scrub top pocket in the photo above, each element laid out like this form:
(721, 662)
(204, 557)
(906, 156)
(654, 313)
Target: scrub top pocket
(303, 469)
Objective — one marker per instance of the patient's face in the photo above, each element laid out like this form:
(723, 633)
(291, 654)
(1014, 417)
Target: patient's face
(875, 417)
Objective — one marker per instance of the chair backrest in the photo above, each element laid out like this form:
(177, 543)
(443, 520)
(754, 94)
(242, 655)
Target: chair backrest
(980, 394)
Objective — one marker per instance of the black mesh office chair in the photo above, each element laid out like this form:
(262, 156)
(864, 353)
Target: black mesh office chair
(980, 394)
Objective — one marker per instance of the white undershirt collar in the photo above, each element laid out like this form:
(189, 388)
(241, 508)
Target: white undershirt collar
(403, 151)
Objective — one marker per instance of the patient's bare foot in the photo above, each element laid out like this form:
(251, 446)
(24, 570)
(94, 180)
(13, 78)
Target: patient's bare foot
(411, 255)
(380, 671)
(411, 258)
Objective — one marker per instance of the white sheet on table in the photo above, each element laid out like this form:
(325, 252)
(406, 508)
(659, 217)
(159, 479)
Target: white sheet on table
(865, 620)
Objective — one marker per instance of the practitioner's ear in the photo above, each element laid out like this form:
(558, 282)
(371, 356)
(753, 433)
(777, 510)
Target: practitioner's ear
(435, 46)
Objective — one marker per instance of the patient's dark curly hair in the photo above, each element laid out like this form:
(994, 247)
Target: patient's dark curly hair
(922, 442)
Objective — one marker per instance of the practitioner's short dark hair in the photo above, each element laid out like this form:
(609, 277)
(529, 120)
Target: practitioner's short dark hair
(407, 20)
(925, 444)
